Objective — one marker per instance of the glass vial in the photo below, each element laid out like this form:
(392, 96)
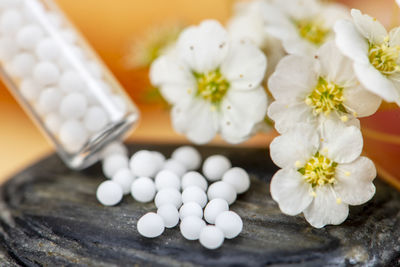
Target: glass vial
(60, 81)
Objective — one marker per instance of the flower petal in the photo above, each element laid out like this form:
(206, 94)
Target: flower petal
(240, 111)
(369, 27)
(340, 143)
(376, 83)
(394, 36)
(360, 100)
(354, 181)
(324, 209)
(295, 147)
(195, 119)
(285, 114)
(350, 41)
(291, 192)
(294, 77)
(245, 66)
(203, 48)
(247, 27)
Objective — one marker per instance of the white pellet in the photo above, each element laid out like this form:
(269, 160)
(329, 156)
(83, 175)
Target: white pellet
(53, 122)
(109, 193)
(73, 105)
(238, 178)
(215, 166)
(22, 65)
(214, 208)
(55, 19)
(166, 179)
(116, 147)
(222, 190)
(159, 159)
(8, 48)
(175, 167)
(150, 225)
(95, 119)
(191, 227)
(95, 69)
(46, 73)
(113, 163)
(190, 209)
(29, 36)
(72, 81)
(168, 196)
(47, 50)
(142, 164)
(73, 135)
(5, 4)
(188, 156)
(230, 224)
(11, 20)
(49, 99)
(124, 177)
(69, 35)
(169, 214)
(194, 194)
(29, 89)
(211, 237)
(194, 179)
(143, 189)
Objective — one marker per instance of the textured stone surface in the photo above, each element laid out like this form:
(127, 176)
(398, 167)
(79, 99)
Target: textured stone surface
(50, 217)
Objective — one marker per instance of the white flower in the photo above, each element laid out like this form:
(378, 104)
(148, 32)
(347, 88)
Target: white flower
(302, 25)
(213, 84)
(375, 53)
(311, 89)
(321, 173)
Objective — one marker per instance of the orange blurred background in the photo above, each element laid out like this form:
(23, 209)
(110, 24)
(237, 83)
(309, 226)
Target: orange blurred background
(110, 27)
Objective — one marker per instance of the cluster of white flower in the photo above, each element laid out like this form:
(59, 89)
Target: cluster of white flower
(327, 67)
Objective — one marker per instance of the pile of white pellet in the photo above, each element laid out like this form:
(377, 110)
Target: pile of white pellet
(178, 191)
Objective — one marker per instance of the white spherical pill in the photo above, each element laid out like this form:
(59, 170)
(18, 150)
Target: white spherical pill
(190, 209)
(188, 156)
(49, 99)
(29, 89)
(11, 21)
(22, 65)
(166, 179)
(194, 179)
(150, 225)
(124, 177)
(191, 227)
(46, 73)
(215, 166)
(95, 119)
(73, 106)
(175, 167)
(142, 164)
(159, 159)
(116, 147)
(143, 189)
(222, 190)
(73, 135)
(53, 122)
(55, 19)
(29, 36)
(72, 81)
(109, 193)
(8, 48)
(168, 196)
(211, 237)
(112, 164)
(194, 194)
(47, 50)
(230, 224)
(169, 214)
(214, 208)
(238, 178)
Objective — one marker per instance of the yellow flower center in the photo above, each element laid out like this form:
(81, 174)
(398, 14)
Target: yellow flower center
(385, 57)
(326, 97)
(319, 170)
(211, 86)
(312, 31)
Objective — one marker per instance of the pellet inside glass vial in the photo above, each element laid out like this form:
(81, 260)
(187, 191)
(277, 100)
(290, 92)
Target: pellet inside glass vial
(57, 74)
